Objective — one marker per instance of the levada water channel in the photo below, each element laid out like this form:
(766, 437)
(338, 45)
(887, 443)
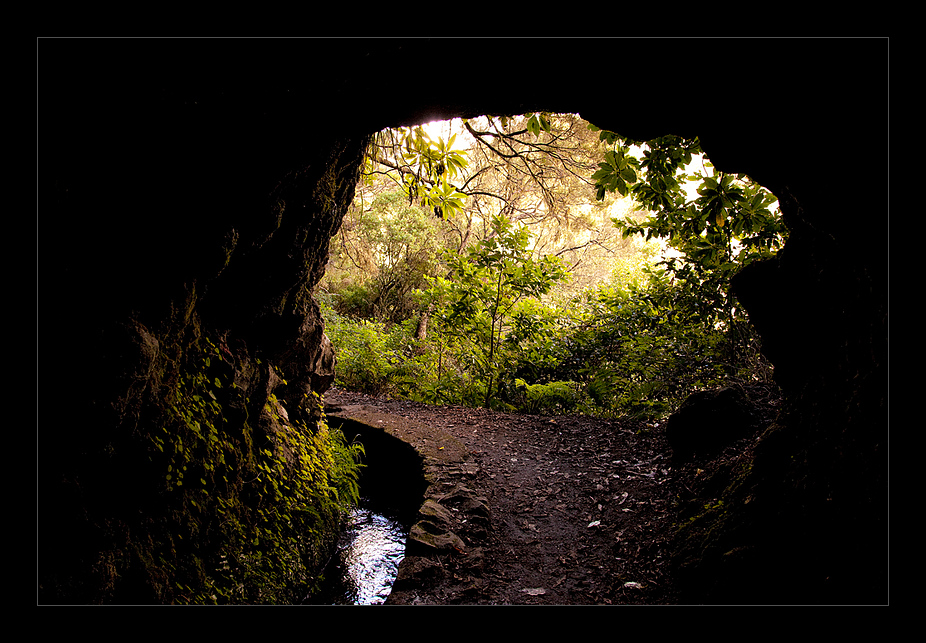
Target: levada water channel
(363, 568)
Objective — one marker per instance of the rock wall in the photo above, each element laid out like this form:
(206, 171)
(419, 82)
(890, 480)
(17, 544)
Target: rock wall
(183, 223)
(188, 189)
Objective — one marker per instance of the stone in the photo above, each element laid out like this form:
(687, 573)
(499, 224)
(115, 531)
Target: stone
(429, 536)
(707, 421)
(433, 512)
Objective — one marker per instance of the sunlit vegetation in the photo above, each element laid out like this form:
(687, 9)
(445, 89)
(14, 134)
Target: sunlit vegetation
(256, 519)
(536, 263)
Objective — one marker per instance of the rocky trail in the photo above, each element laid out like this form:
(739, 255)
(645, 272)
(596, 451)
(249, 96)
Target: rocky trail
(537, 510)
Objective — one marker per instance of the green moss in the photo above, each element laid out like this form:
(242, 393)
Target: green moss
(253, 509)
(719, 522)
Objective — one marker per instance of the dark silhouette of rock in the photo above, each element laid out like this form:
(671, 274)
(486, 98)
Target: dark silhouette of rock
(710, 420)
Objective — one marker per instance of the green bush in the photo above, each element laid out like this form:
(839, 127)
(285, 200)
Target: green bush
(554, 397)
(253, 511)
(641, 351)
(366, 353)
(637, 351)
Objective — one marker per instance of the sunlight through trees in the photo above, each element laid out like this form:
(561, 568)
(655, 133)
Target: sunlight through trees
(482, 257)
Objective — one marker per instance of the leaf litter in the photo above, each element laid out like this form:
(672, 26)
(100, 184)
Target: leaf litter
(579, 509)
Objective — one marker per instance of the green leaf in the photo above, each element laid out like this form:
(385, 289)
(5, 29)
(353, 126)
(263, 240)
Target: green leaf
(533, 126)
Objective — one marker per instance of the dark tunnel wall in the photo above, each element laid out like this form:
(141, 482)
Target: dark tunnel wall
(195, 183)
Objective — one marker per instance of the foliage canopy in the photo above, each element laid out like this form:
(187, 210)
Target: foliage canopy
(476, 240)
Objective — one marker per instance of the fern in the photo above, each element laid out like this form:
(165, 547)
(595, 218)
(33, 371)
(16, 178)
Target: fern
(540, 398)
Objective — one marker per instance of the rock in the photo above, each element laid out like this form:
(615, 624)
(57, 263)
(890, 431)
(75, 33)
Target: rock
(708, 421)
(415, 573)
(467, 501)
(432, 511)
(426, 534)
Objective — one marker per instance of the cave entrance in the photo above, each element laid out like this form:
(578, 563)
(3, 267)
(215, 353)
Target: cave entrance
(647, 235)
(645, 321)
(209, 136)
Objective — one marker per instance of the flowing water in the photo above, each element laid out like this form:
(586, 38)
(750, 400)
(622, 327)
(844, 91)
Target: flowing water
(372, 544)
(369, 552)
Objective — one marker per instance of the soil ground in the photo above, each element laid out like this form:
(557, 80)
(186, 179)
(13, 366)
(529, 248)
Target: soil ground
(581, 508)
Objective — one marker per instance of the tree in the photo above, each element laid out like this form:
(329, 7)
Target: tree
(382, 255)
(479, 300)
(729, 208)
(534, 168)
(729, 224)
(424, 167)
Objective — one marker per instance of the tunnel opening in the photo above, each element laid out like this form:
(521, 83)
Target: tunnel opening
(158, 253)
(647, 236)
(703, 431)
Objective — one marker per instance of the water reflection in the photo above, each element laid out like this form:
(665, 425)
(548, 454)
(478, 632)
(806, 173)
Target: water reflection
(369, 552)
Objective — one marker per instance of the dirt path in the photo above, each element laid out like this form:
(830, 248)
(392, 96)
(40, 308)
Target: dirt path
(580, 510)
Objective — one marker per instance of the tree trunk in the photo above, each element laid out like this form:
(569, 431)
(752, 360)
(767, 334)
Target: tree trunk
(421, 332)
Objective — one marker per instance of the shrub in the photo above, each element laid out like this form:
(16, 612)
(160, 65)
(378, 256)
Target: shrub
(554, 397)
